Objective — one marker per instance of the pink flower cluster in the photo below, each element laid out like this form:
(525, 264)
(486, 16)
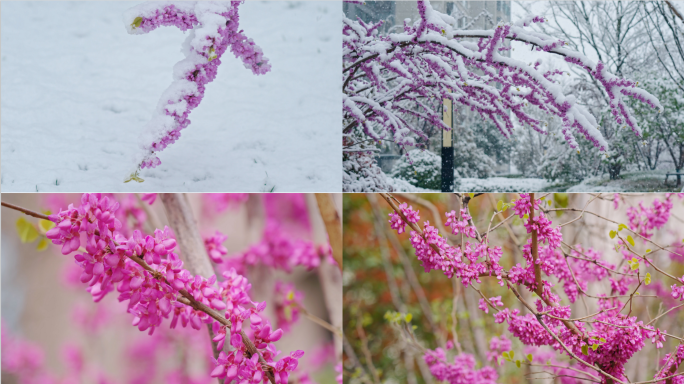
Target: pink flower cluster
(497, 346)
(107, 264)
(672, 361)
(21, 358)
(496, 301)
(280, 251)
(460, 226)
(214, 246)
(645, 220)
(220, 202)
(468, 263)
(287, 301)
(397, 223)
(678, 291)
(461, 371)
(585, 267)
(150, 198)
(609, 343)
(216, 28)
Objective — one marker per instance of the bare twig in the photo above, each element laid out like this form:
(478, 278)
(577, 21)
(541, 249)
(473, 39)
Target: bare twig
(319, 321)
(364, 348)
(25, 211)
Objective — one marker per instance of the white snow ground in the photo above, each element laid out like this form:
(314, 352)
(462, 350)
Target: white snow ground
(502, 184)
(492, 184)
(77, 90)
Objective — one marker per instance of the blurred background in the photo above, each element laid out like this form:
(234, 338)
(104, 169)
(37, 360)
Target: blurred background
(53, 332)
(381, 274)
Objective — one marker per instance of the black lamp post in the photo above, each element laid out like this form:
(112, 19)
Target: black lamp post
(447, 147)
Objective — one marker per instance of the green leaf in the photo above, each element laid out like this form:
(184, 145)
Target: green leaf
(621, 227)
(45, 225)
(561, 199)
(602, 340)
(634, 264)
(408, 317)
(529, 357)
(136, 22)
(612, 234)
(366, 320)
(594, 347)
(499, 206)
(212, 54)
(27, 232)
(647, 280)
(585, 349)
(42, 244)
(648, 251)
(506, 356)
(472, 195)
(134, 177)
(517, 362)
(630, 240)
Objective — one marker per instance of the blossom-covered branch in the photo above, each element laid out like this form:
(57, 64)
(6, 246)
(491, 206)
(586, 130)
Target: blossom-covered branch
(603, 341)
(214, 29)
(393, 81)
(150, 277)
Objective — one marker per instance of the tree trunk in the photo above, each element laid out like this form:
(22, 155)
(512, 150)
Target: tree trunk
(192, 251)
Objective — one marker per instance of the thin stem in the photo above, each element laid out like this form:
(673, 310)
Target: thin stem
(665, 313)
(25, 211)
(319, 321)
(364, 348)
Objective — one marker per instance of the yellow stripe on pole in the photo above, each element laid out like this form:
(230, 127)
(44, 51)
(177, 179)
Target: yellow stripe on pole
(447, 111)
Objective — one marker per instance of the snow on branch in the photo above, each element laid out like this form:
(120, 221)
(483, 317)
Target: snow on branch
(214, 29)
(389, 78)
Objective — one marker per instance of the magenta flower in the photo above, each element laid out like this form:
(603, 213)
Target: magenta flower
(214, 246)
(108, 264)
(215, 28)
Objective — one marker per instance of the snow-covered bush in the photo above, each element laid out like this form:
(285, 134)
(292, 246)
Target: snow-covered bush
(425, 172)
(562, 164)
(362, 174)
(469, 159)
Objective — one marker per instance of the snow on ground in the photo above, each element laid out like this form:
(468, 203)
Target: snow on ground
(492, 184)
(77, 90)
(638, 181)
(634, 181)
(501, 184)
(400, 185)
